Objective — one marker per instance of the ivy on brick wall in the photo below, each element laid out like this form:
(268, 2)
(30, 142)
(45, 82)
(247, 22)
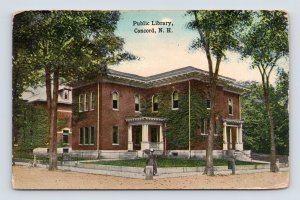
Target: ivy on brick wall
(33, 127)
(178, 120)
(33, 130)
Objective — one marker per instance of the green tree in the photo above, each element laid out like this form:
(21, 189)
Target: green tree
(65, 46)
(218, 33)
(265, 43)
(254, 115)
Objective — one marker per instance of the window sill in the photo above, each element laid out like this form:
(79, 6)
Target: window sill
(115, 109)
(115, 144)
(175, 108)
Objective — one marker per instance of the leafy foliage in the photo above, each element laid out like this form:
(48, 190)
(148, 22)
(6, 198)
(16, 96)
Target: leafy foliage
(254, 115)
(265, 43)
(81, 43)
(218, 33)
(33, 128)
(63, 46)
(178, 124)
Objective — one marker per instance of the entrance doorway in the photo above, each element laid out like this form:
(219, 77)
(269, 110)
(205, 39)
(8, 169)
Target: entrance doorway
(231, 137)
(137, 137)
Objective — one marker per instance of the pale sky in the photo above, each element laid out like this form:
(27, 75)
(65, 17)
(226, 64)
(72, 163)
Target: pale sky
(161, 52)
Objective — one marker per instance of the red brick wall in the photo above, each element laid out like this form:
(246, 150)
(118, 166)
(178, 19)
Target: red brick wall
(64, 112)
(112, 117)
(109, 117)
(84, 118)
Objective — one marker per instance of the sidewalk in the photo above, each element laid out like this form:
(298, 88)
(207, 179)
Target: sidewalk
(139, 174)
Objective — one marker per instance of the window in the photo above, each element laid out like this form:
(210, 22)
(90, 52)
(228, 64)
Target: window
(115, 100)
(136, 103)
(92, 135)
(154, 103)
(115, 136)
(92, 99)
(81, 135)
(217, 128)
(66, 94)
(86, 102)
(80, 103)
(86, 135)
(202, 126)
(230, 106)
(208, 104)
(175, 98)
(65, 138)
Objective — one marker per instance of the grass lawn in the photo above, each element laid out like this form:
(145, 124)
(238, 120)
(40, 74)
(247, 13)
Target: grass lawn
(168, 162)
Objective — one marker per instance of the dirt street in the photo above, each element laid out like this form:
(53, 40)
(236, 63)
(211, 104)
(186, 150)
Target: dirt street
(37, 178)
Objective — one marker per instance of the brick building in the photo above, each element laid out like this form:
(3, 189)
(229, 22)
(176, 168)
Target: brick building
(108, 120)
(37, 97)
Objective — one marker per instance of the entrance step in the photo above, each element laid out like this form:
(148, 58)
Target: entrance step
(126, 155)
(239, 155)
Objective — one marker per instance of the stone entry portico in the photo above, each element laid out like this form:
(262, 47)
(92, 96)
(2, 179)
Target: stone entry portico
(148, 126)
(233, 134)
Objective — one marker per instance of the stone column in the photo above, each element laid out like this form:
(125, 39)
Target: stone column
(161, 138)
(130, 143)
(230, 138)
(145, 141)
(237, 140)
(225, 136)
(240, 145)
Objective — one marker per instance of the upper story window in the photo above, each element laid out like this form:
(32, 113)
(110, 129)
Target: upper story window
(230, 106)
(154, 103)
(66, 94)
(80, 103)
(86, 102)
(115, 100)
(208, 104)
(175, 100)
(136, 103)
(92, 101)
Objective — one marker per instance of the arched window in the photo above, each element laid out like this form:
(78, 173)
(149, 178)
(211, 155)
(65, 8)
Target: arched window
(154, 103)
(230, 106)
(175, 100)
(115, 100)
(208, 104)
(136, 103)
(66, 94)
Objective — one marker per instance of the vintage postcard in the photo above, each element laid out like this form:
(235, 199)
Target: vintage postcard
(150, 99)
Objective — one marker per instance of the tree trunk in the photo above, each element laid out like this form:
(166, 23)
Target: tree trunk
(209, 168)
(273, 166)
(53, 124)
